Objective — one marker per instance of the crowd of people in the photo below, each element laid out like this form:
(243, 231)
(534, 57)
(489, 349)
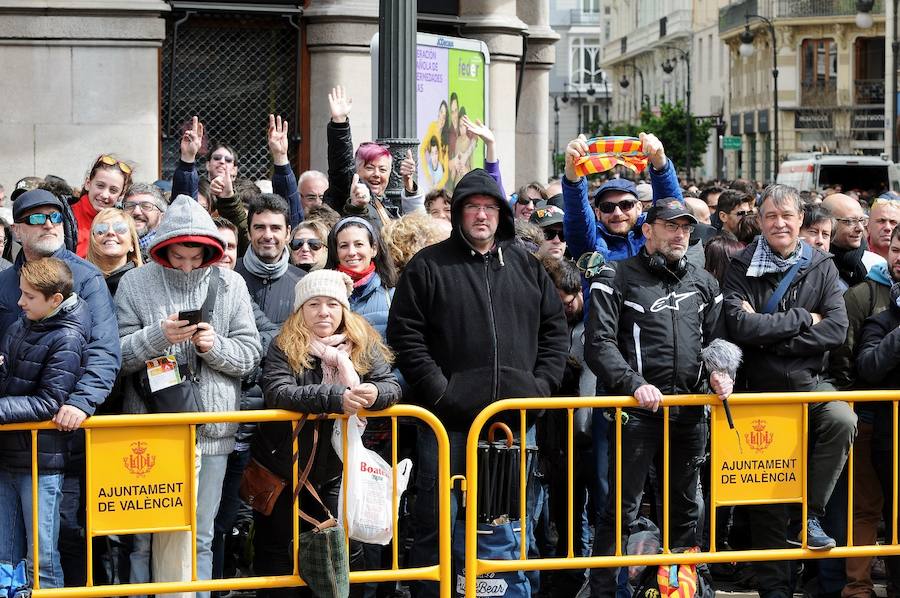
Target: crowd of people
(323, 294)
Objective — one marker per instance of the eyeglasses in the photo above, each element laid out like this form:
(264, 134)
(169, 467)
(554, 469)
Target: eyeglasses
(111, 161)
(222, 158)
(145, 206)
(472, 208)
(673, 228)
(742, 213)
(608, 207)
(314, 244)
(551, 233)
(120, 228)
(41, 219)
(854, 221)
(570, 302)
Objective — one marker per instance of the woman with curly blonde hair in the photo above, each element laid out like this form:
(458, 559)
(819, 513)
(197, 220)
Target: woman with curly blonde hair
(114, 247)
(411, 232)
(326, 359)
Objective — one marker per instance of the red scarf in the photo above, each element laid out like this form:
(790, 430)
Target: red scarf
(359, 278)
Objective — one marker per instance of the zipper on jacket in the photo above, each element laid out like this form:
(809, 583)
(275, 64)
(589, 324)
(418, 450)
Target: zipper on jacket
(674, 339)
(495, 373)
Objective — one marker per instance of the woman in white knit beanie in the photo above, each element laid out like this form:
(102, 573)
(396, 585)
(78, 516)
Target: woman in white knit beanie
(326, 359)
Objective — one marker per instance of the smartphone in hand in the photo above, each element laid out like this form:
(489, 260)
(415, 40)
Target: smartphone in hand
(192, 316)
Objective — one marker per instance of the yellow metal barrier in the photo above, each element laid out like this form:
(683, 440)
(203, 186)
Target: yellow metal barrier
(475, 566)
(441, 572)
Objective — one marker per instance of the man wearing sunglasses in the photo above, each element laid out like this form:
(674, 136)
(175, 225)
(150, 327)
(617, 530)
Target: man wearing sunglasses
(733, 206)
(612, 225)
(38, 226)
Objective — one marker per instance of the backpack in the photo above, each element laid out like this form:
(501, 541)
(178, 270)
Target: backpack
(675, 581)
(70, 225)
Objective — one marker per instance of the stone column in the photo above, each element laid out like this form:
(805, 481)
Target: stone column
(496, 24)
(397, 93)
(532, 127)
(338, 36)
(80, 77)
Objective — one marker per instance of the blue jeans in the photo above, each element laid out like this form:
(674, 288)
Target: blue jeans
(16, 533)
(209, 494)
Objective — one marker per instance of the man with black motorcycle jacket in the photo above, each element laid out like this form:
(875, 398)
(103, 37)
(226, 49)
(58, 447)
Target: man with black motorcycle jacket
(650, 317)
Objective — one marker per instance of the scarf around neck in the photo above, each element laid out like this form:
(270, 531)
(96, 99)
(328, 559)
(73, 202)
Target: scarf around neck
(849, 263)
(359, 278)
(259, 268)
(766, 261)
(334, 351)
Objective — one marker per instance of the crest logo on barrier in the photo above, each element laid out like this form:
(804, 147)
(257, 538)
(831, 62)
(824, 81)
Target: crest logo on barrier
(760, 438)
(139, 462)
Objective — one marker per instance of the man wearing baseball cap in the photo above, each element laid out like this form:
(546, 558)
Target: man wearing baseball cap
(650, 317)
(611, 224)
(550, 219)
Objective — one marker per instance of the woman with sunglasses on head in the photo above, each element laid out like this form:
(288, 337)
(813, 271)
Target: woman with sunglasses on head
(114, 246)
(308, 246)
(106, 183)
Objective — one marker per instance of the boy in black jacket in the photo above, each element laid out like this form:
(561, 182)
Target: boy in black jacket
(41, 360)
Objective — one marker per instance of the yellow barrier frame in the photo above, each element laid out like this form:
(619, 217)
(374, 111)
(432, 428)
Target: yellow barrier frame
(475, 566)
(441, 572)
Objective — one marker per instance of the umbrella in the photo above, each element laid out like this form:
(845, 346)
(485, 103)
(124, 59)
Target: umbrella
(499, 472)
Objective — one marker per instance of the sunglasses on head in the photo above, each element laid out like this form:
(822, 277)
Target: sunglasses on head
(608, 207)
(110, 161)
(550, 233)
(120, 228)
(314, 244)
(41, 219)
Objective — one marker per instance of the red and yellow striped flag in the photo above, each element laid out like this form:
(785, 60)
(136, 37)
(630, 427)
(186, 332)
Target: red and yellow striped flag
(607, 152)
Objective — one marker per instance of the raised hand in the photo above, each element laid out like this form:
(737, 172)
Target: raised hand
(340, 104)
(653, 147)
(223, 185)
(408, 172)
(577, 149)
(359, 193)
(277, 133)
(191, 141)
(480, 130)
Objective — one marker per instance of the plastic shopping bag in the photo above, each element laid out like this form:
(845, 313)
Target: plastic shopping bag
(369, 516)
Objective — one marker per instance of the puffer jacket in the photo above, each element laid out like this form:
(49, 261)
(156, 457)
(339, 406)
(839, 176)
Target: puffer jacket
(42, 362)
(304, 392)
(783, 351)
(373, 302)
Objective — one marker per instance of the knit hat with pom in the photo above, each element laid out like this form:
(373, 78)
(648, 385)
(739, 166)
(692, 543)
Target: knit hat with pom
(323, 283)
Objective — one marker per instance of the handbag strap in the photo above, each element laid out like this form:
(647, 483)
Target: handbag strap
(772, 304)
(303, 482)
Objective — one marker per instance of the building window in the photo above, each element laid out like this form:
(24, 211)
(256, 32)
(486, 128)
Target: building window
(818, 75)
(584, 61)
(868, 79)
(590, 6)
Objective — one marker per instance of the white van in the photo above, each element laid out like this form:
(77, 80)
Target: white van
(817, 171)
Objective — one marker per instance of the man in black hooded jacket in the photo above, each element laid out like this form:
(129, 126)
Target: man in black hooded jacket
(475, 319)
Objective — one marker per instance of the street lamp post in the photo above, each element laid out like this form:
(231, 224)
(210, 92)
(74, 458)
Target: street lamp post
(565, 100)
(555, 134)
(606, 103)
(686, 56)
(624, 83)
(746, 50)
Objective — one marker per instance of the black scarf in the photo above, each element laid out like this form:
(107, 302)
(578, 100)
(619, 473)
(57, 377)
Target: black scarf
(849, 263)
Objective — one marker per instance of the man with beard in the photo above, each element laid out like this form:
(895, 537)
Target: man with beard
(848, 243)
(146, 205)
(650, 317)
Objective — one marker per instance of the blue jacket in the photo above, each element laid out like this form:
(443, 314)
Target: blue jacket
(186, 181)
(42, 363)
(373, 302)
(584, 233)
(103, 356)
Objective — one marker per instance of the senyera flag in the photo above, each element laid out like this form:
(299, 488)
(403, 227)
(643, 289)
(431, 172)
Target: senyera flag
(607, 152)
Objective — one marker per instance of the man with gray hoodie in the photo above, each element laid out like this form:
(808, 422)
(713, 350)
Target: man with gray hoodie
(220, 351)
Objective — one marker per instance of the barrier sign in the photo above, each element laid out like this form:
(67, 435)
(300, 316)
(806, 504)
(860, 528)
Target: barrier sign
(141, 479)
(763, 462)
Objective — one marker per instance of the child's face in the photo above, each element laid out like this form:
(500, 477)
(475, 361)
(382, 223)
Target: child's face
(433, 156)
(33, 302)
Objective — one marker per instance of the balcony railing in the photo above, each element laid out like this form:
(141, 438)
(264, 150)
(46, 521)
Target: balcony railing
(868, 91)
(733, 15)
(819, 94)
(580, 17)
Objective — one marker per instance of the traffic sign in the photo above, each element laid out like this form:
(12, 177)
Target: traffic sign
(731, 142)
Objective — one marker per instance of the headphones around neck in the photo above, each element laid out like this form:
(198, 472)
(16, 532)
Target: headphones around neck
(658, 264)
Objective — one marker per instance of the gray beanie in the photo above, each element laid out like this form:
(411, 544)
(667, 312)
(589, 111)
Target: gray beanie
(323, 283)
